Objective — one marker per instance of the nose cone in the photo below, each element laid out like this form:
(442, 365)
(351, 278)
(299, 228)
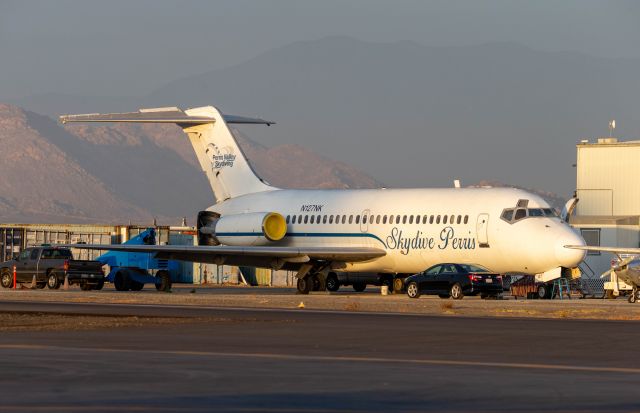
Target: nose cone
(568, 257)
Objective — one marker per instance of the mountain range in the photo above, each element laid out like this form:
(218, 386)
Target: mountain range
(100, 174)
(413, 115)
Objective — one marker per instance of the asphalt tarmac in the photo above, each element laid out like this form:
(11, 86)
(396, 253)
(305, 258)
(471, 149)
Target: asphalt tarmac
(246, 360)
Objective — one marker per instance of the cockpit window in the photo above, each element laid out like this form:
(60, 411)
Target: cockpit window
(520, 213)
(512, 215)
(536, 212)
(507, 215)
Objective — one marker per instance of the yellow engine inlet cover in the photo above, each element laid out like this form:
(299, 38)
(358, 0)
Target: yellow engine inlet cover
(274, 226)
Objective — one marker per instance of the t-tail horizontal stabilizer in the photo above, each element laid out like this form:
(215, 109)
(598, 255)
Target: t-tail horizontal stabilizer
(222, 160)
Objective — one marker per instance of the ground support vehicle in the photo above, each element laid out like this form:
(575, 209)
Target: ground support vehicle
(132, 270)
(50, 266)
(542, 286)
(359, 281)
(454, 281)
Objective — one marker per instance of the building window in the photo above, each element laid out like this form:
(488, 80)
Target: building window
(592, 238)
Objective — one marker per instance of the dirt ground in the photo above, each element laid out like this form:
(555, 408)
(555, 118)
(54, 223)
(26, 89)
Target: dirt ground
(370, 301)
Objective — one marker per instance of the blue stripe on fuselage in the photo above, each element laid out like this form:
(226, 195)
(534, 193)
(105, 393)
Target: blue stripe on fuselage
(306, 234)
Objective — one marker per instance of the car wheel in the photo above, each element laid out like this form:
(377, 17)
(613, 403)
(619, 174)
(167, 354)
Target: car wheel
(99, 285)
(456, 292)
(332, 283)
(6, 279)
(305, 285)
(359, 287)
(53, 282)
(412, 290)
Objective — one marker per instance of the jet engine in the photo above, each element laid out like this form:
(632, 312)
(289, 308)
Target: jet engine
(256, 228)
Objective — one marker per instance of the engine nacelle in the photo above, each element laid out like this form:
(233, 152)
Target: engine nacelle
(256, 228)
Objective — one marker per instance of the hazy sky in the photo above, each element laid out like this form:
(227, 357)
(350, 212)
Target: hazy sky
(130, 47)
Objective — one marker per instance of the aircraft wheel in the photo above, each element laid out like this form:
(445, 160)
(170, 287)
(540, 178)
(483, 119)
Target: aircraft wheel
(359, 287)
(305, 285)
(398, 284)
(332, 283)
(544, 291)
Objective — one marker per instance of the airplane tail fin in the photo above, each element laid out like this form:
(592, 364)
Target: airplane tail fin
(223, 162)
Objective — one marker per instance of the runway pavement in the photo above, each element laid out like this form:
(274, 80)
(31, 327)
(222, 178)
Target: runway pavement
(245, 360)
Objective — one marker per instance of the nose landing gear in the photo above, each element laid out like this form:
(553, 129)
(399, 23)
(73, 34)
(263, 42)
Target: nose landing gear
(633, 297)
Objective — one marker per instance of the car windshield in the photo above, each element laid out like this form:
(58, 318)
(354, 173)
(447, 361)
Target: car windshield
(473, 268)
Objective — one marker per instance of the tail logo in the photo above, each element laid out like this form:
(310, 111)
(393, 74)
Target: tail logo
(221, 157)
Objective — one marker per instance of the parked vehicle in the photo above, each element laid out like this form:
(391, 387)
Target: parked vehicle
(132, 270)
(455, 281)
(51, 265)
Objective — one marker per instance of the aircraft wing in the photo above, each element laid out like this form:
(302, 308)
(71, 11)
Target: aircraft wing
(613, 250)
(251, 256)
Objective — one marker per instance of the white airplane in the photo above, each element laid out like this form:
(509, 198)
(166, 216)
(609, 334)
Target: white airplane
(625, 268)
(321, 232)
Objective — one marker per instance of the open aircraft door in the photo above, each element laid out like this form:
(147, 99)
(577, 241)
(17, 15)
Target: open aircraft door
(482, 230)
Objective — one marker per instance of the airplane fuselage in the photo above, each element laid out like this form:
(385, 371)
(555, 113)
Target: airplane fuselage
(419, 227)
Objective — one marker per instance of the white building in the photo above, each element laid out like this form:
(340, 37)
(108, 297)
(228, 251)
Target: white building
(608, 189)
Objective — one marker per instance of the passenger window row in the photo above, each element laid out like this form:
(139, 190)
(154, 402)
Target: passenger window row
(377, 219)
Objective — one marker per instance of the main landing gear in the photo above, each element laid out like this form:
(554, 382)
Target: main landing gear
(312, 282)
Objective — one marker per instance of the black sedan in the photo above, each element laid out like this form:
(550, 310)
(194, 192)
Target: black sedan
(455, 281)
